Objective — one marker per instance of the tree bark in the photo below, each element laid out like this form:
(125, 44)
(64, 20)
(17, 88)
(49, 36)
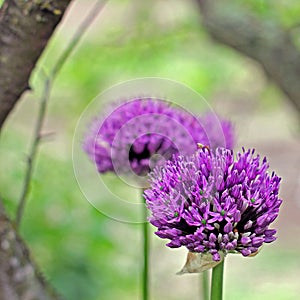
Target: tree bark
(25, 28)
(264, 41)
(19, 276)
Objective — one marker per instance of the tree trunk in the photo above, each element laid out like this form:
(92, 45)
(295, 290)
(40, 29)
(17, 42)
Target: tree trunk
(20, 278)
(25, 28)
(264, 41)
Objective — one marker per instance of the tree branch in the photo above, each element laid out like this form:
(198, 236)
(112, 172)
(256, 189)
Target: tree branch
(33, 151)
(263, 41)
(25, 28)
(19, 276)
(94, 12)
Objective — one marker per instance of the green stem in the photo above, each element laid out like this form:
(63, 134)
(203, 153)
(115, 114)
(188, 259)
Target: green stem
(33, 151)
(217, 282)
(204, 281)
(146, 255)
(98, 6)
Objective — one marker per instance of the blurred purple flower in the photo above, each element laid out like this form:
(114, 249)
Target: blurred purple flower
(210, 203)
(142, 133)
(213, 125)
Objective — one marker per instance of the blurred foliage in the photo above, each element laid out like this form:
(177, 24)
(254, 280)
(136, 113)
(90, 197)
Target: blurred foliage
(83, 253)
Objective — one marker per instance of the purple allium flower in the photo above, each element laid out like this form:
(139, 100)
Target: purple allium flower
(143, 133)
(213, 126)
(209, 202)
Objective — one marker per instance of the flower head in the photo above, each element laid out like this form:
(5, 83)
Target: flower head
(214, 125)
(143, 133)
(211, 203)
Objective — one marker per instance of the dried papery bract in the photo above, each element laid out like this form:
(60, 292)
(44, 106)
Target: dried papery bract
(199, 262)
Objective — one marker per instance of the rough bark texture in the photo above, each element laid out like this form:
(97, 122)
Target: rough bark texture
(262, 40)
(19, 277)
(25, 28)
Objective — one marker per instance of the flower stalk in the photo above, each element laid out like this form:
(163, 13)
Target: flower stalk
(217, 282)
(145, 275)
(205, 285)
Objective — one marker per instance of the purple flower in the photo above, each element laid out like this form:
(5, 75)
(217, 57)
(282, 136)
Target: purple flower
(209, 202)
(143, 133)
(213, 126)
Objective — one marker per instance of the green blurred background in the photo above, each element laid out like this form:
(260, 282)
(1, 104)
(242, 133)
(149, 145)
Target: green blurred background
(86, 255)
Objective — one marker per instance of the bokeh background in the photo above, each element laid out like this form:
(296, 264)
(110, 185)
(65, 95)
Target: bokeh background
(86, 255)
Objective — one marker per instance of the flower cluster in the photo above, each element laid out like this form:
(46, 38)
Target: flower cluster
(212, 202)
(220, 132)
(143, 133)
